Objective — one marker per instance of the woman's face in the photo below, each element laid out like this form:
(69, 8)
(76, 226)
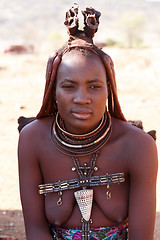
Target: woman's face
(81, 92)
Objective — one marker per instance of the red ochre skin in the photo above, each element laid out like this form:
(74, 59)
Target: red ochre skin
(81, 93)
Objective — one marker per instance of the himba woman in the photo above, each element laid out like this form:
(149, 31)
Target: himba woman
(85, 173)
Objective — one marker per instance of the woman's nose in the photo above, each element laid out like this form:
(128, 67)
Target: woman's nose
(82, 97)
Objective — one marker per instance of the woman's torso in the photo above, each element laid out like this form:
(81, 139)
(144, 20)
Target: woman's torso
(55, 166)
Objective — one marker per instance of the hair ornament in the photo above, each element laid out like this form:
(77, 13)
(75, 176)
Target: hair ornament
(72, 21)
(91, 21)
(78, 38)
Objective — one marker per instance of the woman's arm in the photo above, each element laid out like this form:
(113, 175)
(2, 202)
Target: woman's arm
(142, 200)
(30, 176)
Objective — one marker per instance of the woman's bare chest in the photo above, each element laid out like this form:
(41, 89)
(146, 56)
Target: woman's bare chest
(109, 197)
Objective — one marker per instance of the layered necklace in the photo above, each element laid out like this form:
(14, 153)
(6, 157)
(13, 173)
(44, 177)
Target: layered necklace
(82, 145)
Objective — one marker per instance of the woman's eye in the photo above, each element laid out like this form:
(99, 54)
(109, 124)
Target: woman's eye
(68, 86)
(95, 86)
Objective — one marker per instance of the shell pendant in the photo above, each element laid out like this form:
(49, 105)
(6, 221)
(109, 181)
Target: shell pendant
(84, 199)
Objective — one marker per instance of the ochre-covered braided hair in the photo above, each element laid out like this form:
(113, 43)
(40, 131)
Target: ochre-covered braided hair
(80, 40)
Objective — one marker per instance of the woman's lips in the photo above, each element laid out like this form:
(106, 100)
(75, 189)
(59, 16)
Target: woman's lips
(81, 115)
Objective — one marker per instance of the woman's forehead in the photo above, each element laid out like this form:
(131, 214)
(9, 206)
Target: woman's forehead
(82, 56)
(81, 67)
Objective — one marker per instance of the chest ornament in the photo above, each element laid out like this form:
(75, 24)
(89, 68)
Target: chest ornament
(87, 144)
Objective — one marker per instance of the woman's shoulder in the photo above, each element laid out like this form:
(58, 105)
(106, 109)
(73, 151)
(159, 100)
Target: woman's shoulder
(33, 137)
(130, 132)
(138, 145)
(132, 138)
(37, 128)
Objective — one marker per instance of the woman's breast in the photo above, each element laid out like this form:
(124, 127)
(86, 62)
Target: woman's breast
(59, 213)
(105, 212)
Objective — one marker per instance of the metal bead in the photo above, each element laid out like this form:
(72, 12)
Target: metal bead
(95, 169)
(73, 169)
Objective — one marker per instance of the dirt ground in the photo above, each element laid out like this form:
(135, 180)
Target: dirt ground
(22, 80)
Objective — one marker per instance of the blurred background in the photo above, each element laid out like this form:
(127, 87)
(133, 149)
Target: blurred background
(30, 31)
